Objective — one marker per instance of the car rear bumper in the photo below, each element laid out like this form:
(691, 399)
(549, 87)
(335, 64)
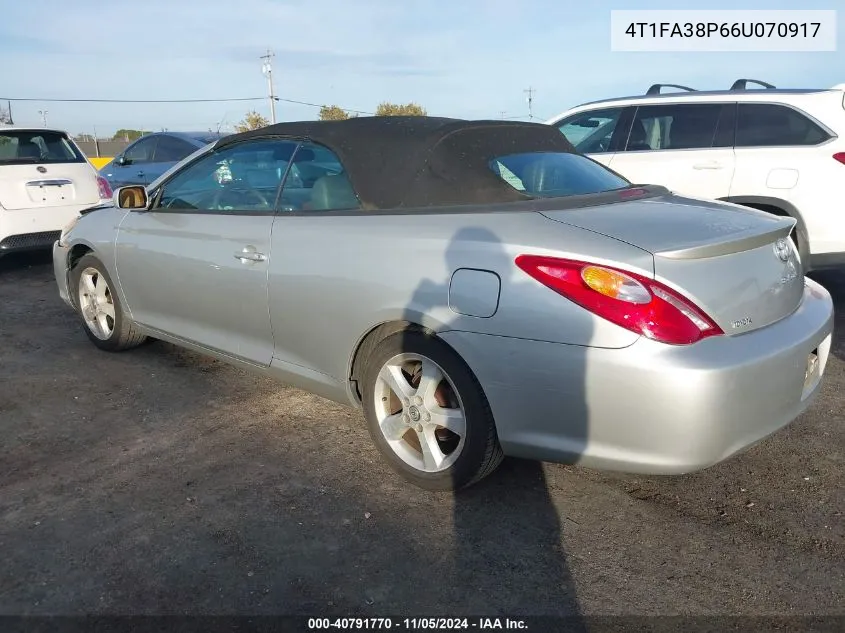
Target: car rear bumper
(651, 408)
(60, 271)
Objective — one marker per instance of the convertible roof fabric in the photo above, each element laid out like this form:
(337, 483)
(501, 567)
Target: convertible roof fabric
(415, 161)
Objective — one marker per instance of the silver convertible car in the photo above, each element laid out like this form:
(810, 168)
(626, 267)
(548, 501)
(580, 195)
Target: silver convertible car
(477, 288)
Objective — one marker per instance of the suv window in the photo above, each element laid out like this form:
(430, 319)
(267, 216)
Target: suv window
(172, 150)
(591, 132)
(240, 178)
(674, 126)
(766, 125)
(30, 146)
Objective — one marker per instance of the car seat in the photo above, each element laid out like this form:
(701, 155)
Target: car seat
(30, 149)
(637, 140)
(333, 191)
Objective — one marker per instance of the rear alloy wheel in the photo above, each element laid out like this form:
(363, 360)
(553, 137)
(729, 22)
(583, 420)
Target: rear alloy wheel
(427, 413)
(103, 319)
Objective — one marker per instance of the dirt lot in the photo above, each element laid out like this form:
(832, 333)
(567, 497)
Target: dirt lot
(158, 481)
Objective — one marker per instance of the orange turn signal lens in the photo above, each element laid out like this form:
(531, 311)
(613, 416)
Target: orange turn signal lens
(615, 285)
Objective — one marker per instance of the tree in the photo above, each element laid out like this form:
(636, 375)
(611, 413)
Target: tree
(124, 134)
(394, 109)
(252, 121)
(333, 113)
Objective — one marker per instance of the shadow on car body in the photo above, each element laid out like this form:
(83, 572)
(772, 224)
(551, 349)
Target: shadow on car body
(506, 527)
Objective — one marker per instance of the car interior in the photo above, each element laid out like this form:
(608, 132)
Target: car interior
(250, 179)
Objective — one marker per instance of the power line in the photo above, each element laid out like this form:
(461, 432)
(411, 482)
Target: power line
(274, 98)
(322, 105)
(135, 100)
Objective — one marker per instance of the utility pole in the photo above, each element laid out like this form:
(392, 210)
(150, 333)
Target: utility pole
(43, 114)
(530, 92)
(502, 113)
(96, 142)
(267, 69)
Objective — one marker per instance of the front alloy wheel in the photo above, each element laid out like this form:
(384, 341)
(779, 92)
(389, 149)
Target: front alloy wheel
(104, 321)
(96, 303)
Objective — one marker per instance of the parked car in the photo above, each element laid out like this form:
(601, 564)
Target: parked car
(478, 288)
(45, 181)
(153, 154)
(781, 151)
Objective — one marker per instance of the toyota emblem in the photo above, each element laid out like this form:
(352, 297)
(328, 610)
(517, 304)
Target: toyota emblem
(782, 250)
(42, 169)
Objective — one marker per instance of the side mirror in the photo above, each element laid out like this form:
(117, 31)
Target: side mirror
(133, 197)
(123, 161)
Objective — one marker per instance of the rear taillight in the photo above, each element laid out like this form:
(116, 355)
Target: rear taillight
(637, 303)
(105, 189)
(840, 157)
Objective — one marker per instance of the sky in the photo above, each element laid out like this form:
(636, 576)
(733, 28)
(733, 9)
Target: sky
(463, 58)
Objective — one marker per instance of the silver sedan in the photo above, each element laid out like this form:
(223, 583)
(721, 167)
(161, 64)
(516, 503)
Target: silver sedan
(477, 288)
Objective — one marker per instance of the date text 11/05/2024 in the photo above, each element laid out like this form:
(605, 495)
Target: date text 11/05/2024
(724, 29)
(417, 624)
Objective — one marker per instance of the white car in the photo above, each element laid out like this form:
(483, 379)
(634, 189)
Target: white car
(781, 151)
(45, 181)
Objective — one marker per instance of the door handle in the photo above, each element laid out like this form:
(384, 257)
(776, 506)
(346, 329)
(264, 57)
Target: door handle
(140, 174)
(707, 166)
(250, 255)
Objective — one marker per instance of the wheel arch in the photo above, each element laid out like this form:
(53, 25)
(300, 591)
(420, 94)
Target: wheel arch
(368, 342)
(76, 252)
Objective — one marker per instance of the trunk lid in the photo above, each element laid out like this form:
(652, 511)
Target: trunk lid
(43, 168)
(63, 184)
(736, 264)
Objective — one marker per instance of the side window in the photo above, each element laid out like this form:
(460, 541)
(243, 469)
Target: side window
(172, 150)
(591, 132)
(317, 181)
(239, 178)
(767, 125)
(726, 130)
(674, 126)
(141, 151)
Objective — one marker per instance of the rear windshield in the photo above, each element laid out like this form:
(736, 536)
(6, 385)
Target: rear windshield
(18, 147)
(555, 174)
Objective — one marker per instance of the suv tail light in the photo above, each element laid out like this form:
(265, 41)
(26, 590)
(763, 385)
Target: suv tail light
(637, 303)
(840, 157)
(104, 187)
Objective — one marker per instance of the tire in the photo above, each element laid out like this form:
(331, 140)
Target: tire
(463, 459)
(103, 318)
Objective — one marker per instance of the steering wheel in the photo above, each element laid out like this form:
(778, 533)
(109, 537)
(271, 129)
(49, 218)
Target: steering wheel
(219, 196)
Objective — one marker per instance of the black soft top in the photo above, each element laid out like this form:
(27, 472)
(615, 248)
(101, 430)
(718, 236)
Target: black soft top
(414, 161)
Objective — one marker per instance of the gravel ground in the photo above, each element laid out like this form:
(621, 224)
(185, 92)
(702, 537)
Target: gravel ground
(161, 482)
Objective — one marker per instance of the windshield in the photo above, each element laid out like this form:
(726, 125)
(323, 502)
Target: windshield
(37, 146)
(555, 174)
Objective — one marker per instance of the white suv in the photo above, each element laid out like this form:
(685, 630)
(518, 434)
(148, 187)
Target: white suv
(45, 181)
(780, 151)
